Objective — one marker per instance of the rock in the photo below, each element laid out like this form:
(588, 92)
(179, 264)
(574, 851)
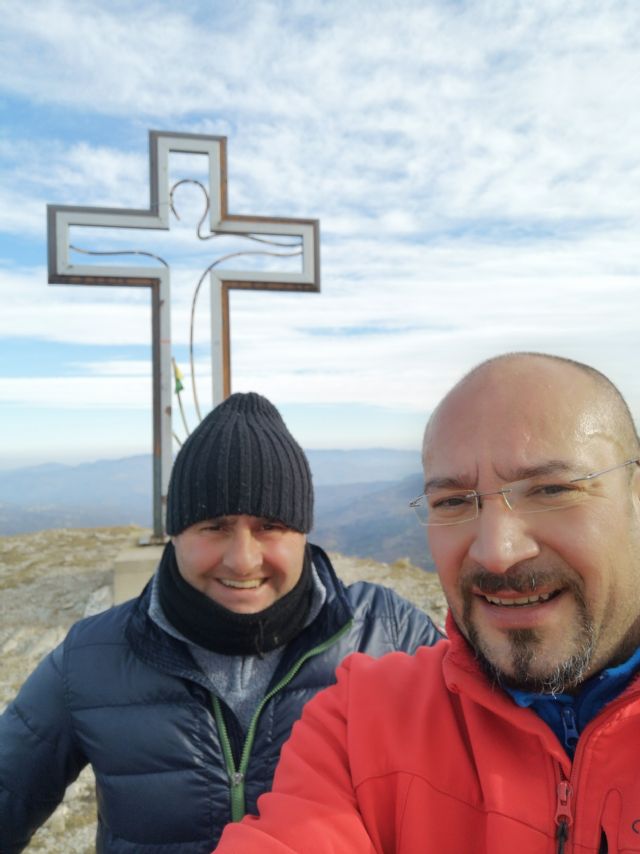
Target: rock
(58, 821)
(99, 601)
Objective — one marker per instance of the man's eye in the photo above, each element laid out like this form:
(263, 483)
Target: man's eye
(552, 489)
(273, 526)
(450, 502)
(552, 495)
(213, 526)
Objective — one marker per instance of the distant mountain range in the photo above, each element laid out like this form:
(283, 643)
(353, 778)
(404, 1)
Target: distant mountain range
(361, 500)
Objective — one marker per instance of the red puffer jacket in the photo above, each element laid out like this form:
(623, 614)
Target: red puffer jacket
(419, 753)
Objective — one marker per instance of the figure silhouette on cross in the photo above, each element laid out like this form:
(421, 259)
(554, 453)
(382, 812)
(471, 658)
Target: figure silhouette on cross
(61, 218)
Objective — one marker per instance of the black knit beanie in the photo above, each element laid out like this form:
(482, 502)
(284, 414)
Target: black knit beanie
(240, 460)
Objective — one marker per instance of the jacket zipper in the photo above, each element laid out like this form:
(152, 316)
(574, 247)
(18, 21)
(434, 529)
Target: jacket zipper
(564, 817)
(237, 775)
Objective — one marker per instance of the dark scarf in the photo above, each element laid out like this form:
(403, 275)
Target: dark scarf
(210, 625)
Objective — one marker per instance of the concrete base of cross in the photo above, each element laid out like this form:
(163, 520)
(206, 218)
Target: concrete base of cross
(131, 571)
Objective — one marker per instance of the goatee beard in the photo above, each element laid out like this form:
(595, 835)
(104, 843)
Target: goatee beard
(563, 678)
(524, 644)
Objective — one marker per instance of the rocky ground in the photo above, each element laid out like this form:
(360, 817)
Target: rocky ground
(50, 579)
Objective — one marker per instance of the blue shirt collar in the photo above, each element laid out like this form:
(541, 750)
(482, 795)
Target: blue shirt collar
(567, 715)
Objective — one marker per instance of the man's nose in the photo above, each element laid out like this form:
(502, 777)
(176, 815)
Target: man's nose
(243, 554)
(501, 538)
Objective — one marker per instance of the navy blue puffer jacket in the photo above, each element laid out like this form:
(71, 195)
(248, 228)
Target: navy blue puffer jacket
(171, 762)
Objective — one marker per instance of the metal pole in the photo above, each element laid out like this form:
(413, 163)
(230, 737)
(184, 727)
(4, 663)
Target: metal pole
(158, 526)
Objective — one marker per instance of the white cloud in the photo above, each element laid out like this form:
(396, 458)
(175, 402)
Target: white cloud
(474, 170)
(77, 392)
(425, 118)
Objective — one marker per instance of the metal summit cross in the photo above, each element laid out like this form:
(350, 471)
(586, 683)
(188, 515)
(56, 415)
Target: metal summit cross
(61, 218)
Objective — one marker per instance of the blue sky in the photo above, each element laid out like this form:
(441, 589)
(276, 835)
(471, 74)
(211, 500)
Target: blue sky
(474, 167)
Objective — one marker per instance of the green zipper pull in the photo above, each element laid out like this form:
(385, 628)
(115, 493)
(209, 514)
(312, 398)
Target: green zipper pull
(236, 778)
(237, 795)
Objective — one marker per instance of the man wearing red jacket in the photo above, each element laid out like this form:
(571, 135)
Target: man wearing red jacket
(521, 733)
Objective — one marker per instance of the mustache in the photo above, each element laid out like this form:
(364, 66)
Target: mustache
(515, 580)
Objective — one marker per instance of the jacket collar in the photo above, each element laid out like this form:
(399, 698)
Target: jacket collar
(464, 675)
(157, 648)
(334, 614)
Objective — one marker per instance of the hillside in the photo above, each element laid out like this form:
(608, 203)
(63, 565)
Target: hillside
(361, 506)
(50, 579)
(372, 520)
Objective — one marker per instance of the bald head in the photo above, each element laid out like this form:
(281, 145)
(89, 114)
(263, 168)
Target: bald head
(550, 387)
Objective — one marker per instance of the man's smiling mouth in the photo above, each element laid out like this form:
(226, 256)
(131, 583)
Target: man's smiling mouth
(249, 584)
(521, 600)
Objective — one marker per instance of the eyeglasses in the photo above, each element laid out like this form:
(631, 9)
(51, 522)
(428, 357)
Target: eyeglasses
(533, 495)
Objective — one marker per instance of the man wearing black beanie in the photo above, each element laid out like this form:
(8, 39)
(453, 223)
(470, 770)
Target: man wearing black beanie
(182, 698)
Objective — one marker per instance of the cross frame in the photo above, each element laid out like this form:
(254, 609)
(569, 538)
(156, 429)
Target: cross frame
(60, 218)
